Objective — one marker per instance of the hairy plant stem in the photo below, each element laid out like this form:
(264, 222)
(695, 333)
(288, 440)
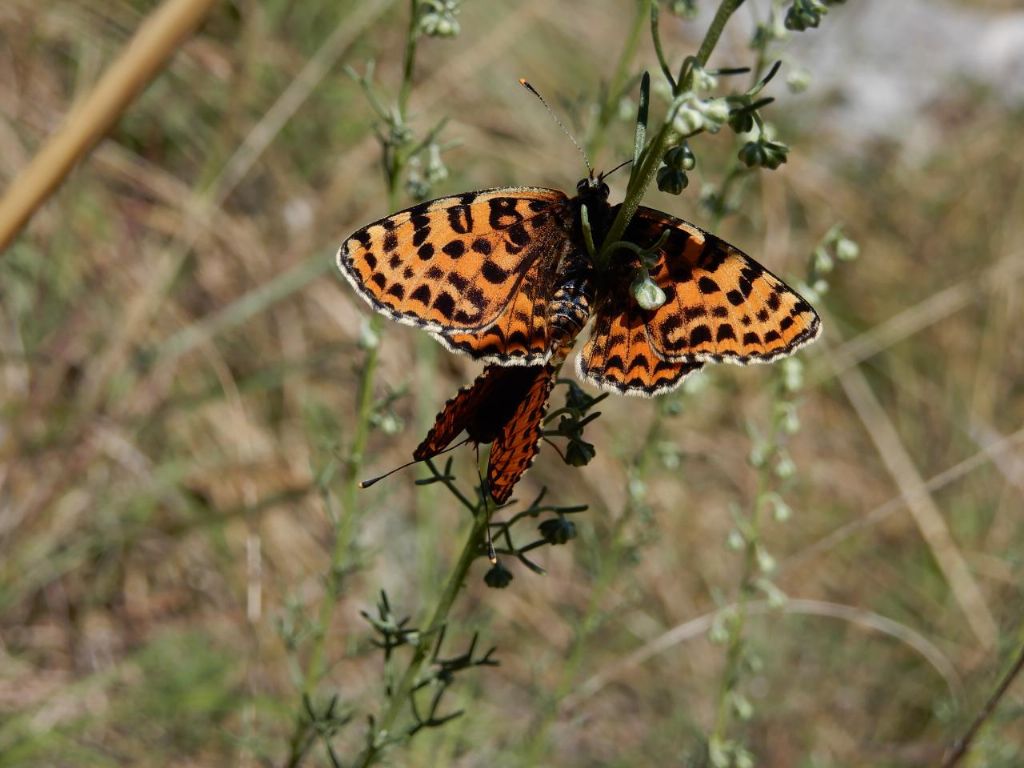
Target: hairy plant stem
(610, 568)
(345, 522)
(735, 647)
(399, 697)
(961, 746)
(642, 175)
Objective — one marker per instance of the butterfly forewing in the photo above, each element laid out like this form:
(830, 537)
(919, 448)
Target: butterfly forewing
(520, 334)
(518, 441)
(721, 304)
(456, 265)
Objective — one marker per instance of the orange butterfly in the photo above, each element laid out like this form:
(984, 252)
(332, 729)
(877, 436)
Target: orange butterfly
(504, 276)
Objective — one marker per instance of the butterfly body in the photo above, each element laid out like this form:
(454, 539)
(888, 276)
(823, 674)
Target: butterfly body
(505, 276)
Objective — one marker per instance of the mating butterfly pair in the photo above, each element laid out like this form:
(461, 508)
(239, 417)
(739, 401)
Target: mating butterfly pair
(504, 276)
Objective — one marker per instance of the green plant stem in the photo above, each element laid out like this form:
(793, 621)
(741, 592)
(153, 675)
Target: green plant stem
(345, 522)
(641, 177)
(734, 650)
(618, 82)
(400, 694)
(725, 9)
(959, 749)
(409, 59)
(597, 605)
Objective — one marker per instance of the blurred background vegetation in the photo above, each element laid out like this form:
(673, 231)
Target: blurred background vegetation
(179, 366)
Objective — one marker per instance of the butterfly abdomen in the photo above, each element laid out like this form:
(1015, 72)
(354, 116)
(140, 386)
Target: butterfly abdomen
(571, 303)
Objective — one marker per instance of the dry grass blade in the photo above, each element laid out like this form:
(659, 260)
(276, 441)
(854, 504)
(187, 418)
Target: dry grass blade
(926, 514)
(994, 451)
(699, 626)
(157, 39)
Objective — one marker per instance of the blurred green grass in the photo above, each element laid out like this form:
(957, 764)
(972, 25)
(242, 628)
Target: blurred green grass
(159, 506)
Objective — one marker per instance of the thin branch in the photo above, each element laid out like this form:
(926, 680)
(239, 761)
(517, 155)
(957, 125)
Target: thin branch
(961, 745)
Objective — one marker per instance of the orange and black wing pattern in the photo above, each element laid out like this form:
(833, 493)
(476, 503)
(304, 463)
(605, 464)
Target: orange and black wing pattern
(476, 270)
(619, 357)
(454, 418)
(518, 441)
(721, 304)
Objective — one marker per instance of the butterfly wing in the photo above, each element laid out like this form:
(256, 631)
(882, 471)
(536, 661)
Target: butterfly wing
(518, 441)
(619, 357)
(473, 269)
(453, 419)
(721, 304)
(481, 409)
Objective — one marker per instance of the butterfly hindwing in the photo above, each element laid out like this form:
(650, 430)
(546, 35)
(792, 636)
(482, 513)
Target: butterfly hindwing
(721, 304)
(518, 441)
(482, 409)
(459, 265)
(619, 356)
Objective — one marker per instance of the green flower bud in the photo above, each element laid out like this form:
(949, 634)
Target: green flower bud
(672, 181)
(557, 530)
(680, 158)
(741, 706)
(438, 19)
(847, 249)
(716, 113)
(798, 80)
(823, 261)
(368, 337)
(686, 9)
(687, 120)
(437, 171)
(646, 292)
(498, 577)
(792, 374)
(578, 453)
(785, 467)
(703, 80)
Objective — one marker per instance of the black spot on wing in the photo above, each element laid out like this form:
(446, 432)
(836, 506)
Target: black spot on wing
(460, 218)
(455, 248)
(422, 295)
(445, 304)
(701, 334)
(492, 273)
(503, 212)
(706, 285)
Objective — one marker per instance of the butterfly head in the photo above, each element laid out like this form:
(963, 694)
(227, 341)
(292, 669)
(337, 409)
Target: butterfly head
(592, 190)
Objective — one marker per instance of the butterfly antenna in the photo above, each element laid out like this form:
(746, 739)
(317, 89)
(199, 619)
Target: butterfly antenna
(525, 83)
(623, 164)
(374, 480)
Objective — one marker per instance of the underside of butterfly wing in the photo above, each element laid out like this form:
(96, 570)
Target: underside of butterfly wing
(482, 409)
(518, 441)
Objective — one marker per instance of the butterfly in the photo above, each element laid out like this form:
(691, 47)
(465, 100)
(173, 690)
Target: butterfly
(504, 276)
